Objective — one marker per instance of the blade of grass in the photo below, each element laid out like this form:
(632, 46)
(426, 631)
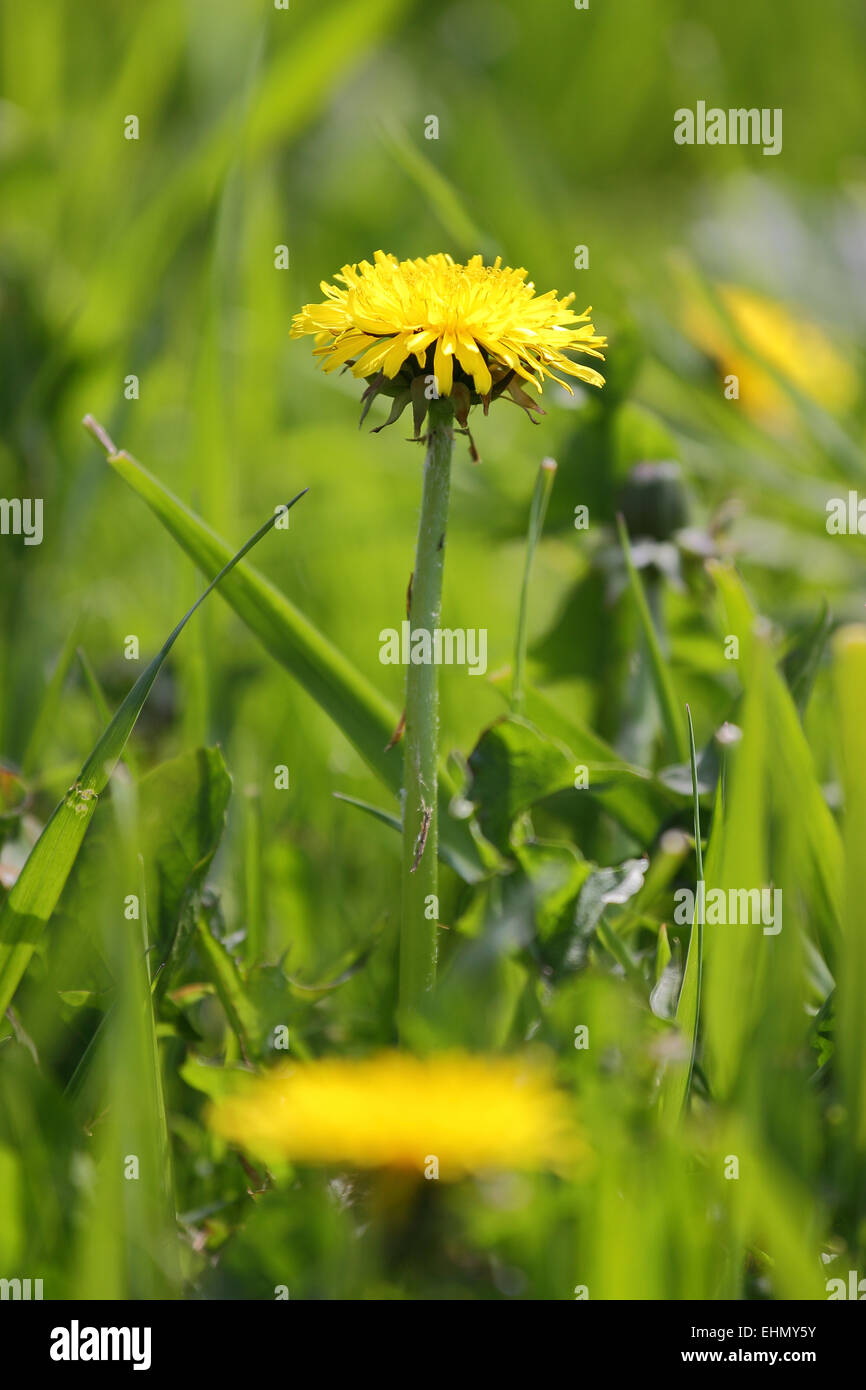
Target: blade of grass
(793, 764)
(241, 1012)
(849, 650)
(699, 909)
(32, 900)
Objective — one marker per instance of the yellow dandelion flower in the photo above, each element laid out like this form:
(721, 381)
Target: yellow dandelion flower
(396, 1111)
(797, 349)
(429, 326)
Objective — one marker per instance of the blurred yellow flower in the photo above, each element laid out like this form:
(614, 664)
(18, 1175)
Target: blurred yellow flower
(795, 348)
(475, 330)
(469, 1113)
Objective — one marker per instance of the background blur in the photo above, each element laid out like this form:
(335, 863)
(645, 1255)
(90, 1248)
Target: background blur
(305, 128)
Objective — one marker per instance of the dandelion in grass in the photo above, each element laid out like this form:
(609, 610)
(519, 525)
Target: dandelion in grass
(473, 1113)
(440, 337)
(430, 328)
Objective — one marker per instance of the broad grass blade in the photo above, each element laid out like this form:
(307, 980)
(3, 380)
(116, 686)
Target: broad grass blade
(28, 908)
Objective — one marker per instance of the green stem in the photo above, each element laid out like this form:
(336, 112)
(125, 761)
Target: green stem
(700, 901)
(420, 873)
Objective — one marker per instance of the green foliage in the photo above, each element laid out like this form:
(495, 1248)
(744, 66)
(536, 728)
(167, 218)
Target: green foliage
(172, 917)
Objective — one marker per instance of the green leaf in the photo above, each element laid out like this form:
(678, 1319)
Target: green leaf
(514, 765)
(210, 1078)
(78, 998)
(241, 1012)
(556, 873)
(630, 795)
(604, 888)
(668, 978)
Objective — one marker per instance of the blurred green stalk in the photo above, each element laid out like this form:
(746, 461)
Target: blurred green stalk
(700, 899)
(537, 512)
(420, 870)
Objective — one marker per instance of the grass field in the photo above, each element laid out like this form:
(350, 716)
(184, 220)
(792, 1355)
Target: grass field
(202, 875)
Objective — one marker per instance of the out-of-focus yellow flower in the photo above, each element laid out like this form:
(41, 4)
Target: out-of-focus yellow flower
(470, 1113)
(796, 348)
(474, 330)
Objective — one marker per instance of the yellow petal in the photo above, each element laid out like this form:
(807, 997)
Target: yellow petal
(471, 359)
(443, 368)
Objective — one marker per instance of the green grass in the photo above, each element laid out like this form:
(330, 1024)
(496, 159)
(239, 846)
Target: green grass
(159, 934)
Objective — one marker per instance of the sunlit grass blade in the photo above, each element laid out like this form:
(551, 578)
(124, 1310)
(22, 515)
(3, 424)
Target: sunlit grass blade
(849, 650)
(819, 839)
(29, 906)
(754, 980)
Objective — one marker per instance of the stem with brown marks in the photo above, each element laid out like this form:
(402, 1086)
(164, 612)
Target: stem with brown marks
(420, 869)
